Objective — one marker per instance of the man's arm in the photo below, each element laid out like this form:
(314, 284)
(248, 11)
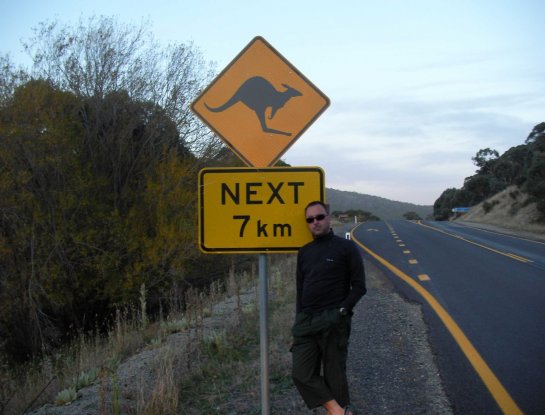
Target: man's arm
(357, 278)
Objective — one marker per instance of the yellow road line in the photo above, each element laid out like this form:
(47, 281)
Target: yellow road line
(518, 258)
(507, 254)
(492, 383)
(507, 235)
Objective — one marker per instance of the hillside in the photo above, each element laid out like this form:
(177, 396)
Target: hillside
(383, 208)
(508, 210)
(522, 166)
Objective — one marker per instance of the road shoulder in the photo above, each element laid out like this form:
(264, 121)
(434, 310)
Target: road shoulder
(392, 368)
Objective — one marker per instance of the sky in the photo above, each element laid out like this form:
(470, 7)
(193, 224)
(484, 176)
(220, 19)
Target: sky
(416, 87)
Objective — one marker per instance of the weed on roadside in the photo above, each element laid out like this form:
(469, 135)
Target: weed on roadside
(228, 379)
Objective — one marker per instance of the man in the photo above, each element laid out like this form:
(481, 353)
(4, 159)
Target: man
(330, 281)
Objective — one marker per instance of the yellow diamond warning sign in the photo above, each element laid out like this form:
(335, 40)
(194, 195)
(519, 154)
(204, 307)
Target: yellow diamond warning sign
(260, 104)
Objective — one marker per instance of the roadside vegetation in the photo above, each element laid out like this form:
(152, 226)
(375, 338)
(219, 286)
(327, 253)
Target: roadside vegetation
(357, 214)
(99, 157)
(208, 368)
(522, 166)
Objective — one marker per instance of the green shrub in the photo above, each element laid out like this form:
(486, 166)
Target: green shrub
(66, 396)
(86, 379)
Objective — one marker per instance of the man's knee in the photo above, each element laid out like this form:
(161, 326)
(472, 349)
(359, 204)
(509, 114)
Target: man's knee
(301, 375)
(303, 366)
(301, 372)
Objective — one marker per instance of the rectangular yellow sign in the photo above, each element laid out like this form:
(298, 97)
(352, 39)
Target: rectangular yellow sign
(256, 210)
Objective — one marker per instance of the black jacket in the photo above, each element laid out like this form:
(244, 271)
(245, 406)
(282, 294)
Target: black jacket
(330, 274)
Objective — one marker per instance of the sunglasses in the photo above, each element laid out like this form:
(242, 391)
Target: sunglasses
(319, 218)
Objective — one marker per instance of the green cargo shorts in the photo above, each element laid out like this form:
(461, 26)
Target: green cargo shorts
(319, 353)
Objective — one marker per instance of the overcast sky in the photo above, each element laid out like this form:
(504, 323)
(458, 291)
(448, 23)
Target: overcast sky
(416, 87)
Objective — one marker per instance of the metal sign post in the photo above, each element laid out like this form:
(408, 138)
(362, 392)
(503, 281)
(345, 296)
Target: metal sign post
(264, 333)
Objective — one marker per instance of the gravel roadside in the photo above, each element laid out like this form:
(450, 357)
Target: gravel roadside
(391, 367)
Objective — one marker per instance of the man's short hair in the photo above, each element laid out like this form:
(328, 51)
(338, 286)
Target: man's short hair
(320, 203)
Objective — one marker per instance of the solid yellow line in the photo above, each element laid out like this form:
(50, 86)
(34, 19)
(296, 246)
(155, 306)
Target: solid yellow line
(518, 258)
(507, 254)
(500, 394)
(511, 236)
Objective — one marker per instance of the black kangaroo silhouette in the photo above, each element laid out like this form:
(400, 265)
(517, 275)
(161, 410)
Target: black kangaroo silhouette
(258, 94)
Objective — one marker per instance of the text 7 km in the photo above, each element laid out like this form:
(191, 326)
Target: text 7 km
(278, 229)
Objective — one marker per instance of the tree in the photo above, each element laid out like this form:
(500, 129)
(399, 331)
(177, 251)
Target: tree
(98, 161)
(521, 165)
(412, 216)
(39, 135)
(538, 132)
(10, 78)
(443, 205)
(535, 184)
(484, 159)
(480, 186)
(513, 164)
(101, 56)
(361, 215)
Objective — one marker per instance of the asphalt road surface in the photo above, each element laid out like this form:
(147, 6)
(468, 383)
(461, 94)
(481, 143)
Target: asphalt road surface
(483, 296)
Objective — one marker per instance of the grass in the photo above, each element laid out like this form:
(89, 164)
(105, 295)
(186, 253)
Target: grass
(57, 376)
(218, 370)
(228, 379)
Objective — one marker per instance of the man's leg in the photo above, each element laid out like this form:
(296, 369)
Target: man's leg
(335, 354)
(333, 408)
(306, 355)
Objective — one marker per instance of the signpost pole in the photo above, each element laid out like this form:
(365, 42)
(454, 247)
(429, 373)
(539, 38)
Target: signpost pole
(264, 333)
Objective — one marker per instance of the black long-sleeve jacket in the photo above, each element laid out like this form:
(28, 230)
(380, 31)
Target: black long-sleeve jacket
(330, 274)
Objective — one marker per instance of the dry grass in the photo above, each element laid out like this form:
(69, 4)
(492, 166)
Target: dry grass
(39, 382)
(228, 379)
(206, 359)
(164, 396)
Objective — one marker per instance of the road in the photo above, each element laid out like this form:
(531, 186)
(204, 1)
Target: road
(483, 295)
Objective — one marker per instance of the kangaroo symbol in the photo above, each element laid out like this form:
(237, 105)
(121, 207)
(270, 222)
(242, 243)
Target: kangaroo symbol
(258, 94)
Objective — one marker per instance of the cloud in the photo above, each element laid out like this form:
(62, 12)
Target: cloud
(409, 149)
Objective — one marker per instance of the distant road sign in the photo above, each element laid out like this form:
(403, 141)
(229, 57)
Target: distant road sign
(460, 209)
(256, 210)
(260, 104)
